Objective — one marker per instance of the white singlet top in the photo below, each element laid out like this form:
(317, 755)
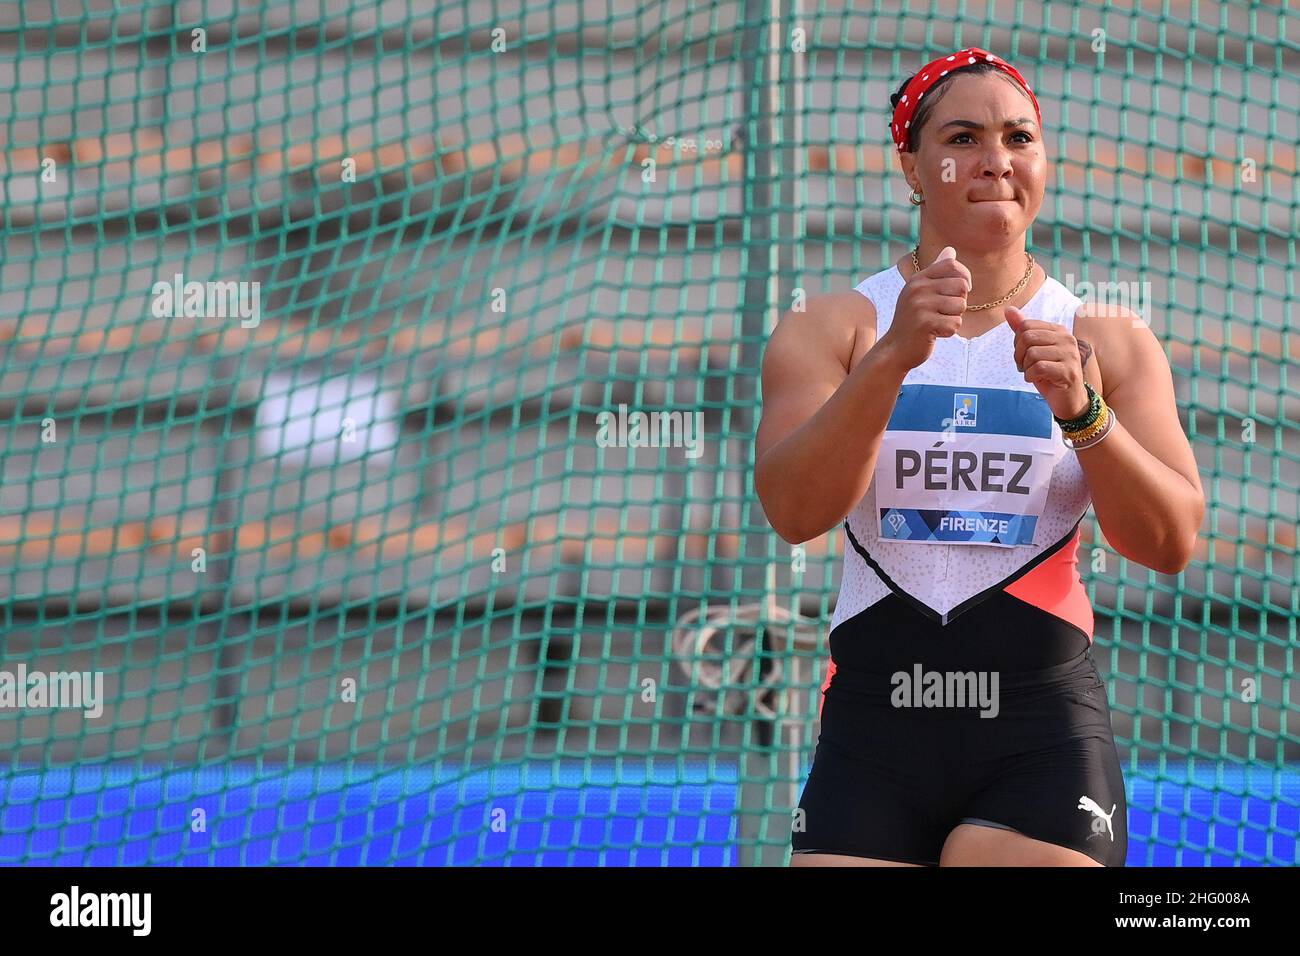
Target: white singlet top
(974, 485)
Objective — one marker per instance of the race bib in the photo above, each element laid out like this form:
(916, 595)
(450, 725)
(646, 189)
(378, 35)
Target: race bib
(965, 465)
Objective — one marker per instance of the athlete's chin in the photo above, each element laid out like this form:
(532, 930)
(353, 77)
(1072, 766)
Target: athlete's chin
(1003, 218)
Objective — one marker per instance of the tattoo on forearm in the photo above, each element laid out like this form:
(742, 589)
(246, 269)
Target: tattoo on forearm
(1085, 352)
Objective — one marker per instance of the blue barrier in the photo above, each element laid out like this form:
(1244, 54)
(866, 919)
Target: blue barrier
(537, 814)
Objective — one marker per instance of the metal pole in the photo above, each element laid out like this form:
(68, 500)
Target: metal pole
(793, 703)
(770, 152)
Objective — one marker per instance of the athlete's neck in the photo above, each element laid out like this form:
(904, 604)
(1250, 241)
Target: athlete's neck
(993, 272)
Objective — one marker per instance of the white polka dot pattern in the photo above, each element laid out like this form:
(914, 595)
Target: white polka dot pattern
(944, 576)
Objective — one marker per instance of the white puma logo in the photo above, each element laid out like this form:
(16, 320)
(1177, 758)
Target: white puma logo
(1091, 805)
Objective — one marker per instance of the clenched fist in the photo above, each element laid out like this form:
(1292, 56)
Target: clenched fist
(1052, 361)
(930, 306)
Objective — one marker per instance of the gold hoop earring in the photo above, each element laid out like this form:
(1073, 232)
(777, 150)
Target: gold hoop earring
(915, 200)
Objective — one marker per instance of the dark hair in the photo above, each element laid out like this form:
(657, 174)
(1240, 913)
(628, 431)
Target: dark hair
(935, 93)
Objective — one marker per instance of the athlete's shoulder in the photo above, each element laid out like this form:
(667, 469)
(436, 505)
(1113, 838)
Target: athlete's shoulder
(849, 305)
(1121, 341)
(855, 316)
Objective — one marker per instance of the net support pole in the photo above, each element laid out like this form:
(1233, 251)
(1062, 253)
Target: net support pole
(773, 165)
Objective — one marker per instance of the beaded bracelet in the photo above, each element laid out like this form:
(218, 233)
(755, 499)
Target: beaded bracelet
(1107, 427)
(1093, 428)
(1089, 416)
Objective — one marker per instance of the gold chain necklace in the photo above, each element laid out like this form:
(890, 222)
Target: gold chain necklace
(1019, 285)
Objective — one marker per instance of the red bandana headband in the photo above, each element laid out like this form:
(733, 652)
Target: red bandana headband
(936, 70)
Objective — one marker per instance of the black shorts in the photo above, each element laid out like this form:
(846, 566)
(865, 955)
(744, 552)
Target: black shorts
(892, 776)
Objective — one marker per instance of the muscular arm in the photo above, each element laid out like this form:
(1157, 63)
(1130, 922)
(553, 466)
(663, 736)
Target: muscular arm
(822, 424)
(1146, 490)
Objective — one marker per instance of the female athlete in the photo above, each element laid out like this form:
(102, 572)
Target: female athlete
(957, 413)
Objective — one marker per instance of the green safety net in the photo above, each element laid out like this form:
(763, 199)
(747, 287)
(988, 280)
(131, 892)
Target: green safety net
(323, 326)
